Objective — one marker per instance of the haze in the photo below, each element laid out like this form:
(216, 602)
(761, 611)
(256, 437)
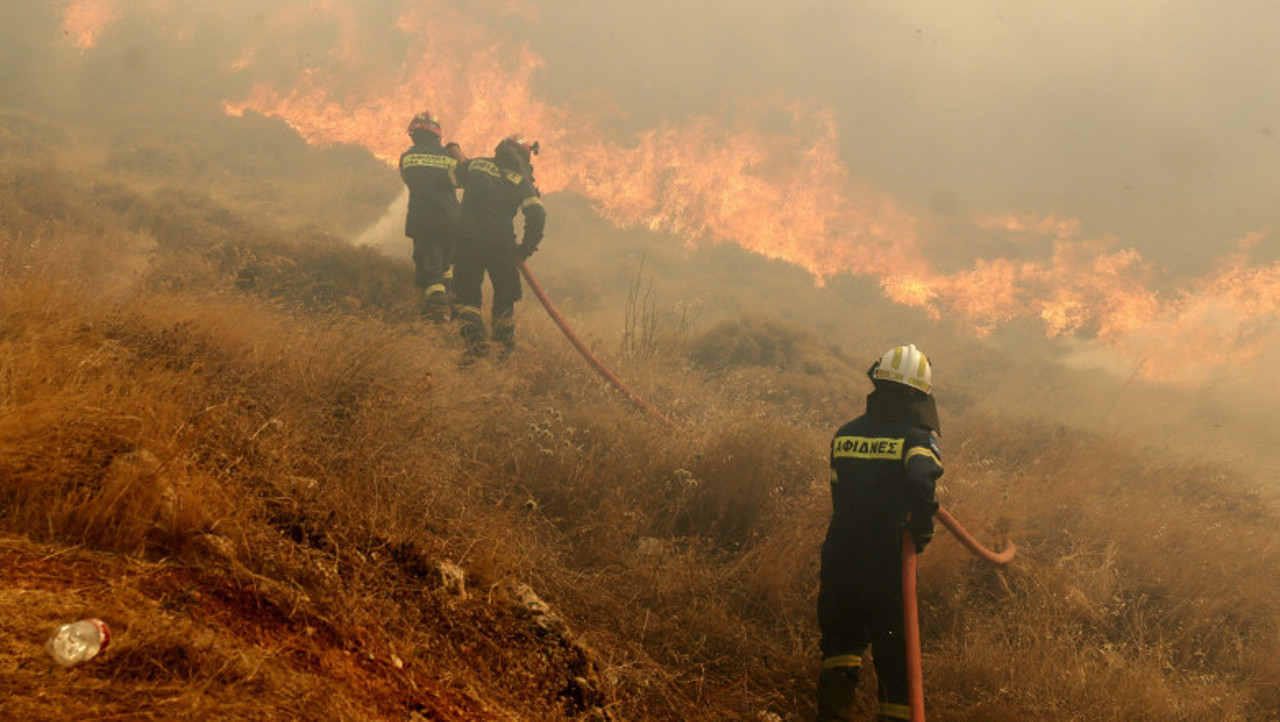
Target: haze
(1152, 121)
(1028, 150)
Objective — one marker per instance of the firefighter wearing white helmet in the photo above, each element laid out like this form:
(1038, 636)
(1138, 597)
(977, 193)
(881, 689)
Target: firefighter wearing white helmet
(884, 468)
(904, 365)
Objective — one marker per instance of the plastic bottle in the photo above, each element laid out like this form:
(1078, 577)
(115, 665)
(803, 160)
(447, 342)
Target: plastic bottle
(78, 642)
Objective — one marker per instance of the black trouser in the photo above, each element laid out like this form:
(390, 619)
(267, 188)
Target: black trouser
(471, 262)
(860, 605)
(432, 255)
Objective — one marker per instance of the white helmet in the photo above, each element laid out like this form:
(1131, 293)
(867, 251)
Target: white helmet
(904, 365)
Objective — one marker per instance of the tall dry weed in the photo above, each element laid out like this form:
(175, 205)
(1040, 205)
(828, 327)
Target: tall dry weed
(262, 405)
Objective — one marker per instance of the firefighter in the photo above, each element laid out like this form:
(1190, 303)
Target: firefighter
(884, 467)
(493, 190)
(432, 220)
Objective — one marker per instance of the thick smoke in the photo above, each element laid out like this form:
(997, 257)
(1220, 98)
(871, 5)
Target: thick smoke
(1146, 121)
(1073, 160)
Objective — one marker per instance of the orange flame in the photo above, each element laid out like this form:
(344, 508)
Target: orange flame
(85, 20)
(785, 195)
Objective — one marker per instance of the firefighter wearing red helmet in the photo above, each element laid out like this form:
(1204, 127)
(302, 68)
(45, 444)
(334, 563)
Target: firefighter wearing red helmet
(884, 467)
(494, 190)
(432, 219)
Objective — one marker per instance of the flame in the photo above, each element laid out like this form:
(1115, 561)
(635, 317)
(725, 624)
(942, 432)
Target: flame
(1032, 224)
(724, 178)
(785, 196)
(85, 20)
(241, 62)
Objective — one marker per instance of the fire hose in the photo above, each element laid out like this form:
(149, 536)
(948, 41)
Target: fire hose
(910, 613)
(586, 352)
(915, 675)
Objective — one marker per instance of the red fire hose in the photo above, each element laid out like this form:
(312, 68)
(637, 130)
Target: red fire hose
(915, 674)
(972, 544)
(910, 613)
(586, 352)
(911, 622)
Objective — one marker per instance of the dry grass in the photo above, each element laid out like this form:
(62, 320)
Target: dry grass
(230, 437)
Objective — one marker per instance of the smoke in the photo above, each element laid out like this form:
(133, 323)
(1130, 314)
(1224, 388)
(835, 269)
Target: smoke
(1087, 167)
(1147, 121)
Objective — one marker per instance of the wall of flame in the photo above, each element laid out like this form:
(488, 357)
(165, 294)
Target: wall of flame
(783, 192)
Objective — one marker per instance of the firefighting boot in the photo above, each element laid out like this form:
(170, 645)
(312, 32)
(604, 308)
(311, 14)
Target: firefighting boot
(472, 329)
(449, 295)
(435, 306)
(837, 687)
(504, 333)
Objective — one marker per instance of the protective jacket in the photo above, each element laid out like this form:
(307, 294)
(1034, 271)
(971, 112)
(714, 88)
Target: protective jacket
(433, 203)
(492, 195)
(882, 472)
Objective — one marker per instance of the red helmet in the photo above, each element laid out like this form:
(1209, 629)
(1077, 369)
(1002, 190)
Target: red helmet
(426, 120)
(526, 147)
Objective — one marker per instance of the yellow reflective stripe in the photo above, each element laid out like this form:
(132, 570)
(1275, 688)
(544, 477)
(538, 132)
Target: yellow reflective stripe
(468, 309)
(897, 358)
(486, 167)
(895, 711)
(900, 378)
(863, 447)
(423, 160)
(922, 366)
(921, 451)
(448, 272)
(434, 289)
(842, 660)
(490, 168)
(531, 201)
(884, 373)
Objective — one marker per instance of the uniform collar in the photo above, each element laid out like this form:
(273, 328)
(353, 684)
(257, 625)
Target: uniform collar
(916, 409)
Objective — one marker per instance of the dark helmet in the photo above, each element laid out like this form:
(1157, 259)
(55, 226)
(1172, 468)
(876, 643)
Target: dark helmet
(426, 120)
(516, 141)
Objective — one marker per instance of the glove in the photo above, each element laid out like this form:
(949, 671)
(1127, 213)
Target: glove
(921, 534)
(523, 251)
(922, 539)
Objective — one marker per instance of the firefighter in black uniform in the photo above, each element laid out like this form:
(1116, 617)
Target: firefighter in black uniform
(432, 221)
(493, 190)
(884, 466)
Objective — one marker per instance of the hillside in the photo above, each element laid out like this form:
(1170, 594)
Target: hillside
(224, 430)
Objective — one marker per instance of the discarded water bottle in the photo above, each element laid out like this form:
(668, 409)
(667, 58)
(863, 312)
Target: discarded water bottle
(78, 642)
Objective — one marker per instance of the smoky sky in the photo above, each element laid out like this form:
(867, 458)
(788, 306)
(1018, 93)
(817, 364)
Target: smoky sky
(1153, 122)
